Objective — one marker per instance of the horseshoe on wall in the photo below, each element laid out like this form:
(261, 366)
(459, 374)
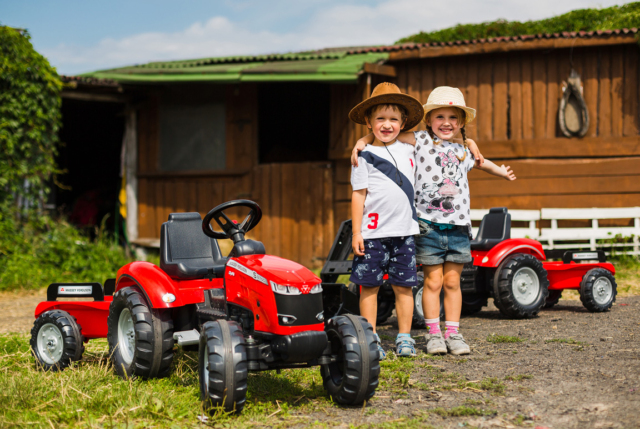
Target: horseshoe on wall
(573, 114)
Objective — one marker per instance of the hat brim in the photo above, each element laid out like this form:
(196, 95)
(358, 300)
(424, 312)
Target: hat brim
(470, 111)
(415, 112)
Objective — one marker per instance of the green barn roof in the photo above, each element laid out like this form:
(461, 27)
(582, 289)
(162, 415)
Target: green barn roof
(328, 65)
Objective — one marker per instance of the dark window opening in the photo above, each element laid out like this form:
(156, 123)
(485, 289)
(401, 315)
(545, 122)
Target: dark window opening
(293, 122)
(192, 128)
(91, 137)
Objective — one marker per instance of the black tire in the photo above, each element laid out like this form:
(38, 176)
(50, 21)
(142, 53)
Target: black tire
(56, 340)
(513, 302)
(598, 290)
(472, 303)
(353, 379)
(386, 303)
(149, 352)
(222, 366)
(553, 298)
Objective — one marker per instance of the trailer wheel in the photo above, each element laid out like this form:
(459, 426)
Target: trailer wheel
(353, 378)
(418, 312)
(520, 286)
(386, 303)
(472, 303)
(56, 340)
(140, 338)
(553, 298)
(598, 290)
(222, 366)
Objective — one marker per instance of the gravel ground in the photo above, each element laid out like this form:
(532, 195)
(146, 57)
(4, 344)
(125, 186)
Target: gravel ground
(572, 369)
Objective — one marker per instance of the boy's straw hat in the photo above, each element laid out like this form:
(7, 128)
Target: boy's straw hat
(444, 96)
(388, 93)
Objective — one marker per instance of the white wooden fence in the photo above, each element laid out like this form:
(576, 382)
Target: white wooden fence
(571, 238)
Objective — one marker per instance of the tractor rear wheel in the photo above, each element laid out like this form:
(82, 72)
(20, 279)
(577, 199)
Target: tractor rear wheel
(222, 366)
(140, 338)
(520, 286)
(353, 378)
(56, 340)
(598, 290)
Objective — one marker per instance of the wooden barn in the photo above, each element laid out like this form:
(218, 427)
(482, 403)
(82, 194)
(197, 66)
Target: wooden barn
(274, 129)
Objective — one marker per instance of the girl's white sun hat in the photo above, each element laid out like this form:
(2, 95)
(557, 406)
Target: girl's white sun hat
(445, 96)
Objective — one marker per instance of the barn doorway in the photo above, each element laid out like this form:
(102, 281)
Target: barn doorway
(91, 142)
(293, 123)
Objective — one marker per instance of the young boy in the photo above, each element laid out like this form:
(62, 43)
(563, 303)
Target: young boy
(383, 217)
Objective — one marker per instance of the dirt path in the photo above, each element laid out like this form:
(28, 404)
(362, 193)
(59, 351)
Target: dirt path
(17, 310)
(572, 369)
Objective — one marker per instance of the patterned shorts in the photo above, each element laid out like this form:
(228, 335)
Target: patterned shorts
(395, 256)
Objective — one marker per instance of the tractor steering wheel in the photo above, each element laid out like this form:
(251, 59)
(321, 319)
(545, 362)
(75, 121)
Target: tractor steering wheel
(230, 229)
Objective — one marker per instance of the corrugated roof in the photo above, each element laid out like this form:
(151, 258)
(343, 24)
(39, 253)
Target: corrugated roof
(332, 64)
(329, 65)
(563, 35)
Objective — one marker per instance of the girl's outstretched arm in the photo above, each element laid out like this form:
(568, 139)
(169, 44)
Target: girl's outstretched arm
(404, 137)
(502, 171)
(473, 148)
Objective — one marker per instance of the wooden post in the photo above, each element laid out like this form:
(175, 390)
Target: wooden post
(131, 172)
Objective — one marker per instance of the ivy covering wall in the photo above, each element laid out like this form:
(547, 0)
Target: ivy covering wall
(29, 118)
(611, 18)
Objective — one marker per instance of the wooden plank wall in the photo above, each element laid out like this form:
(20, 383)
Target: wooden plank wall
(517, 96)
(296, 199)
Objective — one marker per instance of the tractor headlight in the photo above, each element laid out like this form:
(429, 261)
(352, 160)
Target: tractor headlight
(285, 290)
(168, 298)
(316, 289)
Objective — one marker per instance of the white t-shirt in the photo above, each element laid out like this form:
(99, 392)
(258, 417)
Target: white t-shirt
(388, 208)
(442, 188)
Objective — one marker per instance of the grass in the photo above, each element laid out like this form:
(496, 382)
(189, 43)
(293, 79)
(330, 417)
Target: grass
(462, 411)
(90, 394)
(566, 341)
(498, 339)
(519, 377)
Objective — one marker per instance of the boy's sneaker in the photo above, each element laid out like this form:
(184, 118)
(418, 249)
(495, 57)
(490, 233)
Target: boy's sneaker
(456, 345)
(405, 347)
(435, 344)
(383, 354)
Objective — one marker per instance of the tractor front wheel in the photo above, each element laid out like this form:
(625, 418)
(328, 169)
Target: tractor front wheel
(56, 340)
(598, 290)
(140, 338)
(553, 298)
(353, 378)
(472, 303)
(222, 366)
(520, 286)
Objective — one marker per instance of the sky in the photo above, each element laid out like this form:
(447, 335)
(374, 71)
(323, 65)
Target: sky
(81, 36)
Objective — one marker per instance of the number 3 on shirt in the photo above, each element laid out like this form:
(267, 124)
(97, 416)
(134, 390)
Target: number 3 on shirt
(374, 221)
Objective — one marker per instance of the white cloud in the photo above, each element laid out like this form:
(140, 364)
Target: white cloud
(333, 25)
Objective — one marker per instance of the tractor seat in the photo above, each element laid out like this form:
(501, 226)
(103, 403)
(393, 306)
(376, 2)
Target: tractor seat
(185, 252)
(494, 228)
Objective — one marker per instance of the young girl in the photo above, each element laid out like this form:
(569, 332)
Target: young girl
(443, 205)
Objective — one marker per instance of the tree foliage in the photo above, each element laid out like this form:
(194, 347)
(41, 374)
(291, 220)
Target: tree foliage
(29, 117)
(611, 18)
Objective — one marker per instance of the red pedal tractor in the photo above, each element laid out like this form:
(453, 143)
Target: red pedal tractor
(513, 271)
(245, 312)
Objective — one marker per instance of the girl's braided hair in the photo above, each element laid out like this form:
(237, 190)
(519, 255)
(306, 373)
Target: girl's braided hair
(462, 117)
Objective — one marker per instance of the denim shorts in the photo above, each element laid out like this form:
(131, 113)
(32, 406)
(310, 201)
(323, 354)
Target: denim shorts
(395, 256)
(435, 247)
